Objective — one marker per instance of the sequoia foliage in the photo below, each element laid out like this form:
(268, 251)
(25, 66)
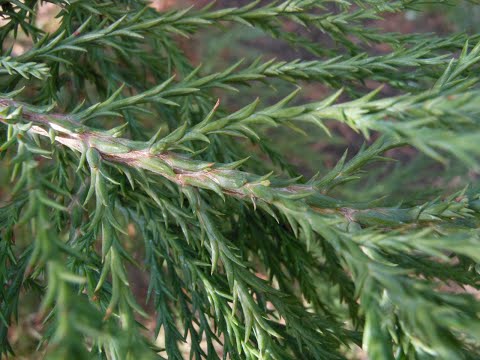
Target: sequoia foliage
(123, 162)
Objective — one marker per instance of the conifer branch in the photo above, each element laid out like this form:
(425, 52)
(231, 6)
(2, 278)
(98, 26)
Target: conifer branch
(145, 180)
(223, 178)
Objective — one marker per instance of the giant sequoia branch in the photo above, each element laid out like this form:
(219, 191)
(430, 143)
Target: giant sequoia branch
(224, 179)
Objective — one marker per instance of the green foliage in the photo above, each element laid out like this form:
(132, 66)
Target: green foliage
(121, 160)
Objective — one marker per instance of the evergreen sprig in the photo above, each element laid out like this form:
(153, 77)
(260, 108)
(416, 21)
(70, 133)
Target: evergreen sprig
(125, 164)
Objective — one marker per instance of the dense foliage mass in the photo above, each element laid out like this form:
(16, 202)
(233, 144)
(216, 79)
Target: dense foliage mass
(122, 162)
